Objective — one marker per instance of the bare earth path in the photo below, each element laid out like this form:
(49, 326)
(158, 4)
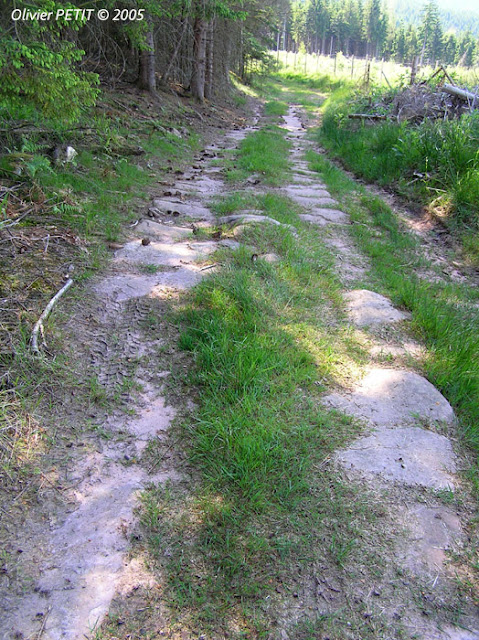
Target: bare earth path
(79, 560)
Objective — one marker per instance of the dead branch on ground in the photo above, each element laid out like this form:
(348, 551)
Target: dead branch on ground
(39, 324)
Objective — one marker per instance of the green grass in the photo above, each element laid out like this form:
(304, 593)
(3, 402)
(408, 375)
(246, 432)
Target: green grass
(338, 70)
(92, 198)
(21, 441)
(435, 162)
(442, 312)
(263, 153)
(275, 108)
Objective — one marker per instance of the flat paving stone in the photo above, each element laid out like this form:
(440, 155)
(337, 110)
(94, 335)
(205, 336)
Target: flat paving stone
(432, 531)
(299, 165)
(229, 244)
(271, 258)
(325, 216)
(408, 455)
(306, 173)
(388, 397)
(191, 209)
(165, 254)
(124, 287)
(314, 202)
(368, 308)
(304, 191)
(203, 185)
(165, 232)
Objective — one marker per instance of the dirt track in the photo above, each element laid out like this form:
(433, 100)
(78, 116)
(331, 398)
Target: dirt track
(79, 560)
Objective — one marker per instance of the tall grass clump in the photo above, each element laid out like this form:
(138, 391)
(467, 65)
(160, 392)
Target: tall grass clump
(435, 161)
(264, 152)
(275, 108)
(248, 373)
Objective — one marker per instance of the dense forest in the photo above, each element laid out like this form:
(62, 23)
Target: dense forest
(367, 28)
(53, 63)
(454, 17)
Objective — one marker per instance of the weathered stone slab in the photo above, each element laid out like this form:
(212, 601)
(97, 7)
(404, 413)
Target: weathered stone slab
(312, 203)
(229, 244)
(432, 532)
(369, 308)
(238, 135)
(325, 216)
(165, 254)
(292, 122)
(203, 185)
(387, 397)
(271, 258)
(304, 191)
(306, 173)
(301, 165)
(191, 209)
(128, 286)
(409, 455)
(165, 232)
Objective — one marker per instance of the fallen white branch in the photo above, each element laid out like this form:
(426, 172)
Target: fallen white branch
(460, 93)
(39, 325)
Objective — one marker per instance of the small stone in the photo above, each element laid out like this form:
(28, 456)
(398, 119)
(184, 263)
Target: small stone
(70, 154)
(145, 242)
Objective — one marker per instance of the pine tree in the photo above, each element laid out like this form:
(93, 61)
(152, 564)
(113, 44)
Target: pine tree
(466, 48)
(374, 26)
(450, 48)
(431, 34)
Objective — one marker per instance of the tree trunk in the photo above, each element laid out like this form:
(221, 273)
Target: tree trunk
(209, 77)
(166, 75)
(147, 75)
(242, 67)
(199, 59)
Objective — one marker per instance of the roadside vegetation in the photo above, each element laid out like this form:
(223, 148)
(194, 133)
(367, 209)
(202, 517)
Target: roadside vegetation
(434, 162)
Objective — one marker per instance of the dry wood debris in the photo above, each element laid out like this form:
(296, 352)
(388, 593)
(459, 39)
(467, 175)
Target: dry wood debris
(423, 100)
